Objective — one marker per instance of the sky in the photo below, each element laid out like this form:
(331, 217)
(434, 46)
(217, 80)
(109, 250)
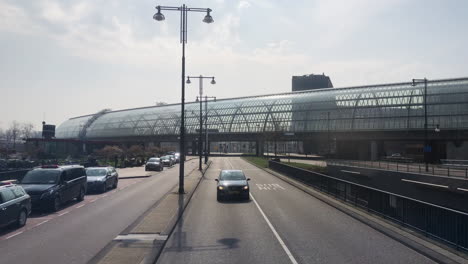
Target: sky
(64, 58)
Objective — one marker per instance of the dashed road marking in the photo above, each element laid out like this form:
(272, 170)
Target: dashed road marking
(269, 187)
(81, 205)
(64, 213)
(15, 234)
(43, 222)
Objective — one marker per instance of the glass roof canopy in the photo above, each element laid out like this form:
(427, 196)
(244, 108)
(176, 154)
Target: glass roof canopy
(386, 107)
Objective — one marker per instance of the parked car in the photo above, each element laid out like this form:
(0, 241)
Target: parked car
(173, 158)
(15, 205)
(232, 183)
(51, 185)
(166, 161)
(177, 156)
(154, 164)
(101, 178)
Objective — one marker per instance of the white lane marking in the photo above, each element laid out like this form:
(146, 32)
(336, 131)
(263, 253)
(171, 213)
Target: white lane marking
(462, 189)
(426, 183)
(43, 222)
(141, 237)
(288, 252)
(92, 201)
(15, 234)
(64, 213)
(269, 186)
(81, 205)
(353, 172)
(230, 164)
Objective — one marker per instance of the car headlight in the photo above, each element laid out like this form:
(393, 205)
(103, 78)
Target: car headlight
(220, 188)
(246, 187)
(48, 192)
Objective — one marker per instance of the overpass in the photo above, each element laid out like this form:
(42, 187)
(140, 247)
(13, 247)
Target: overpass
(364, 122)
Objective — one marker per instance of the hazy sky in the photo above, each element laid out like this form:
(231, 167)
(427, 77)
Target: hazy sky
(61, 59)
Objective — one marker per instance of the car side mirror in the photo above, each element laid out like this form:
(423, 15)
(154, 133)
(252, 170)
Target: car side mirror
(248, 179)
(217, 180)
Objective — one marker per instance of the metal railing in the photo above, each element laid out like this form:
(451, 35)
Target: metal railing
(436, 170)
(444, 224)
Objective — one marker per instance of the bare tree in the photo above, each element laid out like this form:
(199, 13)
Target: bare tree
(27, 130)
(13, 132)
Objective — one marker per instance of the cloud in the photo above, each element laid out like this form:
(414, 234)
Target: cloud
(243, 5)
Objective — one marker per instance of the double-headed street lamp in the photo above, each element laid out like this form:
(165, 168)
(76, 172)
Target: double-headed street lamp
(207, 146)
(200, 139)
(183, 39)
(426, 148)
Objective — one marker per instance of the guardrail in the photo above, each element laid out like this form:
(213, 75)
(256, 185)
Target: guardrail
(13, 174)
(444, 224)
(447, 171)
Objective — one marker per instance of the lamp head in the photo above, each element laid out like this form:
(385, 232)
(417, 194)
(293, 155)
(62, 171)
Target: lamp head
(213, 81)
(208, 19)
(158, 16)
(188, 80)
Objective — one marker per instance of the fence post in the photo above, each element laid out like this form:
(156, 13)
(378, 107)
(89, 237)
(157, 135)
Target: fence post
(397, 166)
(419, 168)
(448, 171)
(433, 170)
(407, 167)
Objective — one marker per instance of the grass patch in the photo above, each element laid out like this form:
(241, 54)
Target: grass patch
(309, 167)
(261, 162)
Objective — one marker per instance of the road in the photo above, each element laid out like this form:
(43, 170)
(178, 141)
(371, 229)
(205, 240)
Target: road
(79, 231)
(280, 224)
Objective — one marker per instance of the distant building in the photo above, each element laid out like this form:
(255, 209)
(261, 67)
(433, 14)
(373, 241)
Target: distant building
(310, 82)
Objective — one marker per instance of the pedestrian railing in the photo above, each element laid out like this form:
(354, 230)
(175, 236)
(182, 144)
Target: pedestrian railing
(432, 169)
(444, 224)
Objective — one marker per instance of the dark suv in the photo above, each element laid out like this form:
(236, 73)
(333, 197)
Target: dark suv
(52, 185)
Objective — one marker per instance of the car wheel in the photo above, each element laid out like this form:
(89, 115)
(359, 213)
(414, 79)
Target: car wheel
(56, 204)
(115, 184)
(22, 217)
(81, 195)
(104, 187)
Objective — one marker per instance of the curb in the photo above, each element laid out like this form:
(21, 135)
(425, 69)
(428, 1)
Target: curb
(339, 205)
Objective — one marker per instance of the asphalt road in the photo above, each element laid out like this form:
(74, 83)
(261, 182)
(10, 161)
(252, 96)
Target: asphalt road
(280, 224)
(79, 231)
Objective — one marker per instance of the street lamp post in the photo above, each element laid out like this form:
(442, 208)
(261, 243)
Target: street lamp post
(207, 145)
(426, 148)
(200, 138)
(200, 99)
(183, 39)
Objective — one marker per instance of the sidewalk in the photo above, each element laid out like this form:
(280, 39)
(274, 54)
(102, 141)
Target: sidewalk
(144, 242)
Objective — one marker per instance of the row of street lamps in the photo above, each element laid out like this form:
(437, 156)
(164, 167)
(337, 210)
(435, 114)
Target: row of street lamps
(183, 39)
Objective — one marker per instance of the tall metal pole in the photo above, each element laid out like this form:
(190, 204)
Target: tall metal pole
(200, 138)
(426, 143)
(207, 146)
(183, 32)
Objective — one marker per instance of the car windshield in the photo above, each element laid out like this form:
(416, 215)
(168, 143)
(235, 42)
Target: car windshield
(165, 158)
(153, 160)
(41, 177)
(96, 172)
(232, 176)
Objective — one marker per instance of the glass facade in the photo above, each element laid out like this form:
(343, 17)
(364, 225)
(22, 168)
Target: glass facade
(385, 107)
